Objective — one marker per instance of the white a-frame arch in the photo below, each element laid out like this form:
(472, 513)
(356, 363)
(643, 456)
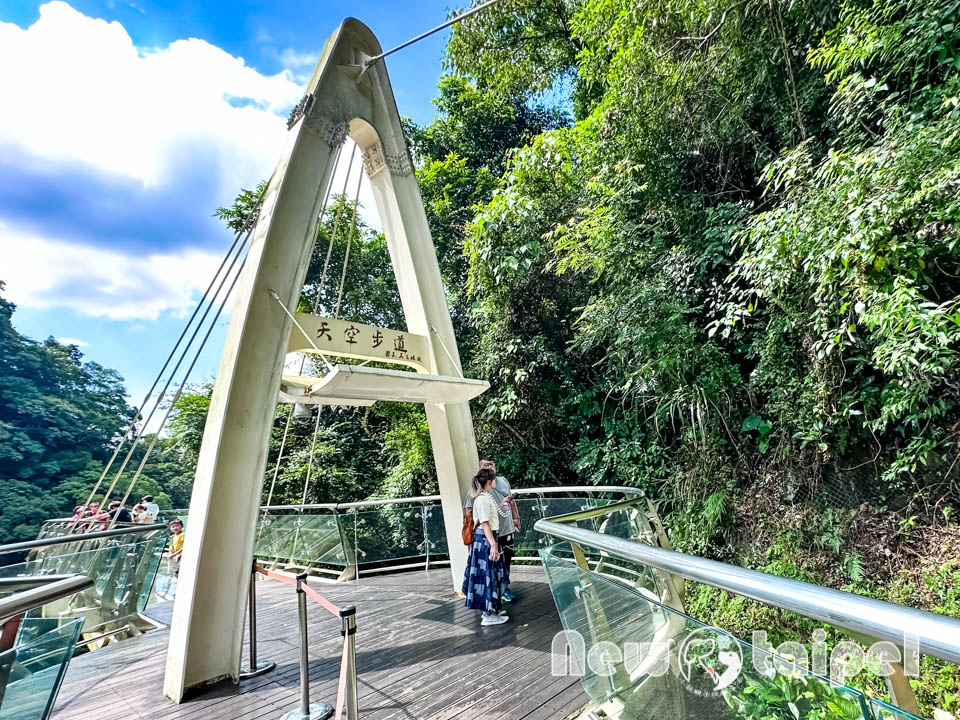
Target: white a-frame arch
(345, 97)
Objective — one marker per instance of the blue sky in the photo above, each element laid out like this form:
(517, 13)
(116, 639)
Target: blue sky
(125, 124)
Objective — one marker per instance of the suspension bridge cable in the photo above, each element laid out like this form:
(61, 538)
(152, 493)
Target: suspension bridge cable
(336, 314)
(183, 384)
(346, 256)
(336, 224)
(183, 356)
(313, 446)
(276, 469)
(139, 413)
(428, 33)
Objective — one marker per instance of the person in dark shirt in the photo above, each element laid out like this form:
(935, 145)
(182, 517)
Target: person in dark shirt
(121, 514)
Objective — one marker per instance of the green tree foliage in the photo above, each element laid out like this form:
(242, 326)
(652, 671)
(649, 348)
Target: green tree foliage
(734, 280)
(59, 420)
(777, 173)
(516, 47)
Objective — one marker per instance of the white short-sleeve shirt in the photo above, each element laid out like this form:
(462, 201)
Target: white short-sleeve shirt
(485, 510)
(499, 492)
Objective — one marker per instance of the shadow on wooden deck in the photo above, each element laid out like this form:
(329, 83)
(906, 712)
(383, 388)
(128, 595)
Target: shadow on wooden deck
(420, 654)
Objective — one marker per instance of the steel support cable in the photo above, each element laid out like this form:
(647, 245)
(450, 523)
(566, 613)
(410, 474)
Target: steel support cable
(316, 307)
(173, 402)
(336, 314)
(346, 256)
(183, 356)
(276, 469)
(428, 33)
(313, 446)
(336, 224)
(163, 369)
(286, 310)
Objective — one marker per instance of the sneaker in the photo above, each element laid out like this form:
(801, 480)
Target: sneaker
(493, 620)
(502, 612)
(509, 596)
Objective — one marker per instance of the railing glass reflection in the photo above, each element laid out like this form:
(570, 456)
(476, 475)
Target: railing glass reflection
(123, 570)
(641, 659)
(32, 670)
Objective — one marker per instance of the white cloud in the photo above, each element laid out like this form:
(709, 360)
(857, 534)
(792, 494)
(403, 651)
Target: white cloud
(76, 89)
(84, 100)
(300, 64)
(73, 341)
(44, 274)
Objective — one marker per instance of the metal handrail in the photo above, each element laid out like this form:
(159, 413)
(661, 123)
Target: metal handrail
(78, 537)
(35, 597)
(938, 635)
(426, 498)
(436, 498)
(25, 582)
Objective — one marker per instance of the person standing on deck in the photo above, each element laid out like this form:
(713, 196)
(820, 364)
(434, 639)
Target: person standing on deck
(150, 505)
(176, 545)
(502, 493)
(116, 510)
(483, 577)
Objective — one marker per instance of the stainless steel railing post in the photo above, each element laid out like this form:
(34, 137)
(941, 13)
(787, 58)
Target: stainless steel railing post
(304, 657)
(306, 711)
(254, 670)
(348, 618)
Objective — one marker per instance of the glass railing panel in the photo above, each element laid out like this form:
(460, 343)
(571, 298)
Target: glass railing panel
(123, 574)
(629, 523)
(662, 664)
(277, 536)
(883, 711)
(436, 531)
(165, 586)
(528, 541)
(31, 672)
(318, 540)
(389, 532)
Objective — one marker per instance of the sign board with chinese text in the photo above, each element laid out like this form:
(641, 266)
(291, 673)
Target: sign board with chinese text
(345, 338)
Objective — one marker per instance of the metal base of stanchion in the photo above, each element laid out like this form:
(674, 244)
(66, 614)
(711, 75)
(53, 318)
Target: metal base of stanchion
(248, 673)
(318, 711)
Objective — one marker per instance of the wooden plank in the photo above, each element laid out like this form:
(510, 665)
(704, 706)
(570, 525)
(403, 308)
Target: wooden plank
(420, 653)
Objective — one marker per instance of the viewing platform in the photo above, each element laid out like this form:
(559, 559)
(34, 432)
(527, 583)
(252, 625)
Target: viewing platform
(420, 654)
(593, 562)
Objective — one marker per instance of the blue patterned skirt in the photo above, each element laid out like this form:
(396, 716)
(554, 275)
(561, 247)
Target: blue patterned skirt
(483, 580)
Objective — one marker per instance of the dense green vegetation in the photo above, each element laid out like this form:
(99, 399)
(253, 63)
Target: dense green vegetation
(59, 420)
(734, 280)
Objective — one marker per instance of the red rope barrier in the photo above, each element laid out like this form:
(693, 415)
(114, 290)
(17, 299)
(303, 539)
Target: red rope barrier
(275, 575)
(311, 593)
(326, 604)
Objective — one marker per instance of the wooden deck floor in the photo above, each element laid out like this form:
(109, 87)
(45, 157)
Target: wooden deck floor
(420, 654)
